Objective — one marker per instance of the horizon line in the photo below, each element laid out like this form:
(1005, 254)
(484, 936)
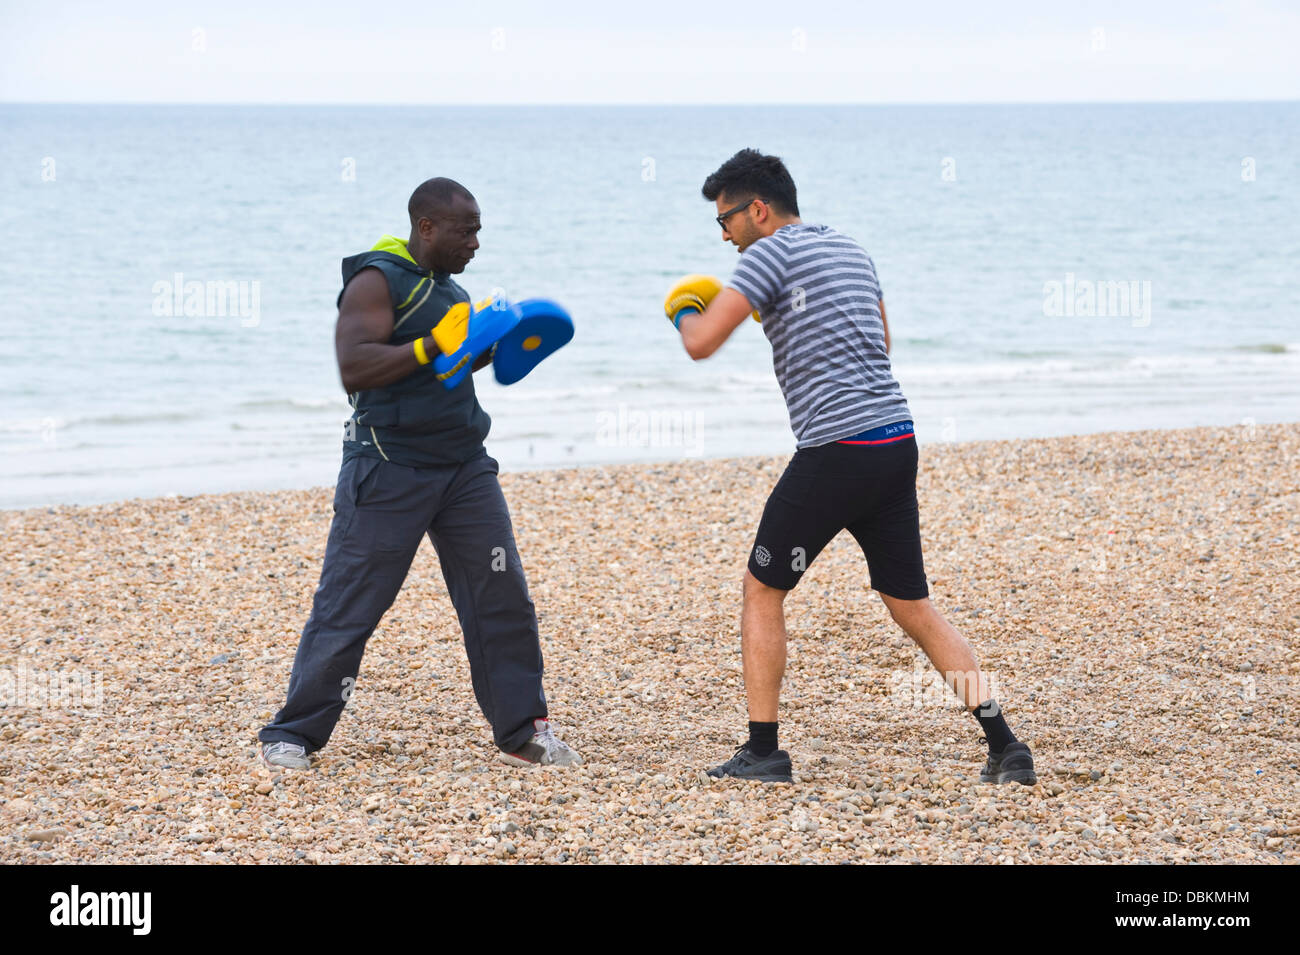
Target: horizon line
(711, 105)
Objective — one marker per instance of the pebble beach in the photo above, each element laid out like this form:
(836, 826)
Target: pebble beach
(1135, 597)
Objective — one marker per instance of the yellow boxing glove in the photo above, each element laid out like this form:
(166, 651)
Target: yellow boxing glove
(692, 294)
(452, 329)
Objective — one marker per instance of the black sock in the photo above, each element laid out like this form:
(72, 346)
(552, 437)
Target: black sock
(994, 725)
(762, 738)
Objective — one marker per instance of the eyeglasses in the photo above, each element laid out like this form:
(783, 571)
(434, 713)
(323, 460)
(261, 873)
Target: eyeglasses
(722, 219)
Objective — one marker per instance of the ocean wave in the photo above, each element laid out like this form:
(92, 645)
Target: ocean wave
(133, 418)
(32, 425)
(1222, 362)
(530, 397)
(1269, 348)
(294, 404)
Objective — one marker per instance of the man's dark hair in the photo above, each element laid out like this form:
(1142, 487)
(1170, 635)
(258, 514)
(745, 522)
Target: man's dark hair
(750, 173)
(433, 197)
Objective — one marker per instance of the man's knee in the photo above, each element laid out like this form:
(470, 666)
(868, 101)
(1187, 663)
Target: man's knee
(907, 612)
(755, 589)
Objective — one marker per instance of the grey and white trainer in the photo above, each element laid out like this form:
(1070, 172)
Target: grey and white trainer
(544, 749)
(284, 755)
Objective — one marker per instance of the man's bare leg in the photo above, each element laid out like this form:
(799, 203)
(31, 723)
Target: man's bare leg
(948, 650)
(762, 647)
(951, 654)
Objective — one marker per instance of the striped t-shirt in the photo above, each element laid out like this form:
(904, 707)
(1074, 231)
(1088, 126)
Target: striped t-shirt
(819, 300)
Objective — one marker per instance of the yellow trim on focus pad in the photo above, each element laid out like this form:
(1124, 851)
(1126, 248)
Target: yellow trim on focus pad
(452, 329)
(459, 365)
(531, 342)
(420, 354)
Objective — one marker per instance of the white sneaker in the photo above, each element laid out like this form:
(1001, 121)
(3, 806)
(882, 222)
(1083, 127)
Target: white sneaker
(544, 749)
(284, 755)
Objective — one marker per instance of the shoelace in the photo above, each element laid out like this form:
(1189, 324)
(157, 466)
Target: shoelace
(546, 737)
(739, 749)
(988, 763)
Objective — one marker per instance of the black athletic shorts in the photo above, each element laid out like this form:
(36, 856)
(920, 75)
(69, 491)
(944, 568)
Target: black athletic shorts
(868, 488)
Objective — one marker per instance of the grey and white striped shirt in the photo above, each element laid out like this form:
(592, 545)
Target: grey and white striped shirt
(817, 294)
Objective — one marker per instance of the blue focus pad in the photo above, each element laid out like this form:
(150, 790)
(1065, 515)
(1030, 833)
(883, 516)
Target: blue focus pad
(543, 328)
(486, 326)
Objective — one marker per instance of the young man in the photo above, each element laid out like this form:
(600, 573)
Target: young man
(414, 464)
(817, 296)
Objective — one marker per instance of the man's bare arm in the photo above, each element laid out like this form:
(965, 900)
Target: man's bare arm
(365, 324)
(703, 334)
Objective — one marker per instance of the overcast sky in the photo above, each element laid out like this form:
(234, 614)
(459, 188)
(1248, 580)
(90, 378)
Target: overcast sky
(953, 51)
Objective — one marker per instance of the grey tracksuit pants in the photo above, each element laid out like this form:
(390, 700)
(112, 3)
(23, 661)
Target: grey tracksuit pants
(381, 512)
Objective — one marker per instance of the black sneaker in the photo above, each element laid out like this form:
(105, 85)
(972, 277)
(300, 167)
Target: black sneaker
(773, 768)
(1015, 764)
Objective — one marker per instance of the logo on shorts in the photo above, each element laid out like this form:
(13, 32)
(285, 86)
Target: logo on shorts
(762, 556)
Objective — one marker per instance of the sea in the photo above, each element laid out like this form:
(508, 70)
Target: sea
(169, 275)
